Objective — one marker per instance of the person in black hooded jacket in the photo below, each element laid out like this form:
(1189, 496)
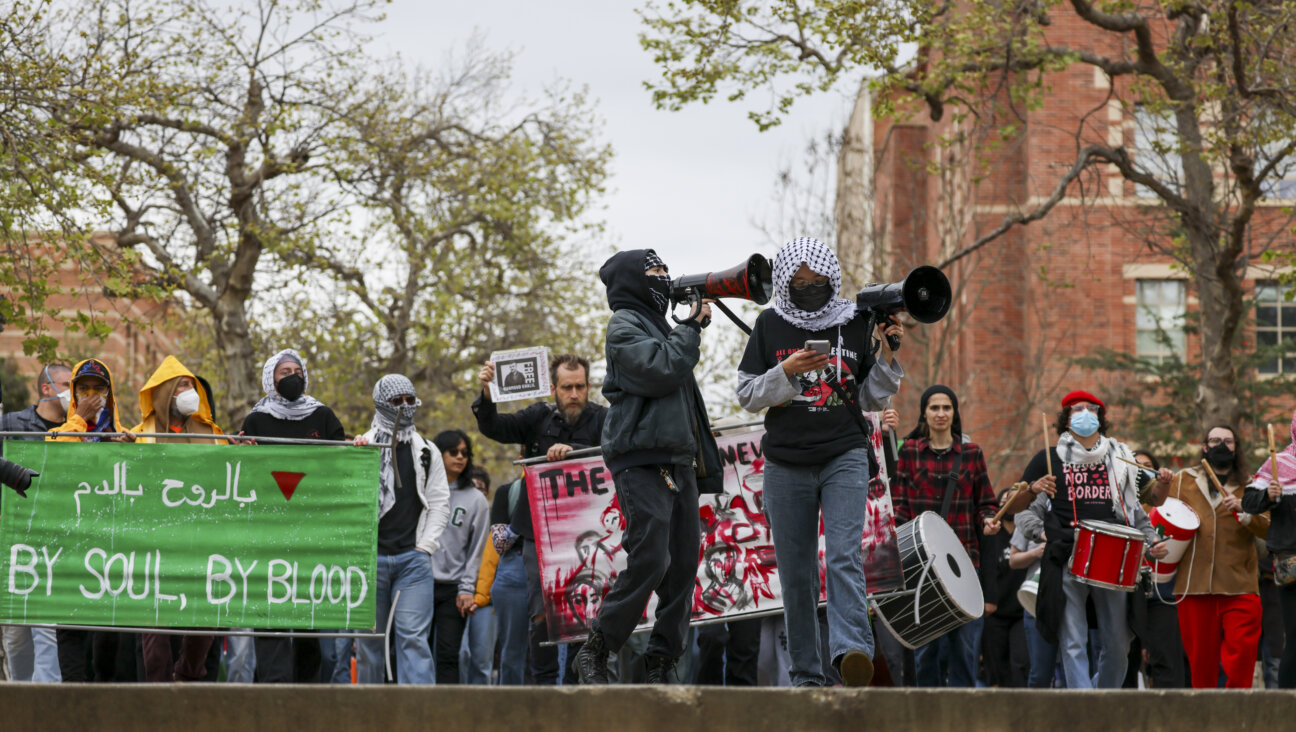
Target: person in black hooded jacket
(658, 446)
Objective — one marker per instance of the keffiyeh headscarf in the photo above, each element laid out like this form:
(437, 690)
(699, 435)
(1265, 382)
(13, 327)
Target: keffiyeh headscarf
(274, 404)
(384, 421)
(821, 260)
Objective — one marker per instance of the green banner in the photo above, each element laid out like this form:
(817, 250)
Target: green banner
(191, 536)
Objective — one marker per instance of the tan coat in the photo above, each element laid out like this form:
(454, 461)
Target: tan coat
(1221, 559)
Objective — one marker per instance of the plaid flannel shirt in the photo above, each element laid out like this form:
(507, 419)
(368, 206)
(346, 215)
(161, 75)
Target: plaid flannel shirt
(919, 485)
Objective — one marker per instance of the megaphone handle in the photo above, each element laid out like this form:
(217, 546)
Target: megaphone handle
(893, 342)
(695, 306)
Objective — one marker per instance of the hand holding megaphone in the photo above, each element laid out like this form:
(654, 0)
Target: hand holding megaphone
(925, 294)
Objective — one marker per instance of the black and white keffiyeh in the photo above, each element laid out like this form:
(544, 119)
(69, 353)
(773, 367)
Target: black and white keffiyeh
(821, 260)
(384, 421)
(659, 286)
(1122, 475)
(274, 404)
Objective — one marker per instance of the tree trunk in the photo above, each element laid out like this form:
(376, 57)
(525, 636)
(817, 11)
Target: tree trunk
(242, 385)
(1220, 297)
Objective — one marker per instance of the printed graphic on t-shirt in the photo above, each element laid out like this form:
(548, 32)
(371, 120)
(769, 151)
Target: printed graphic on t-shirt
(816, 393)
(1088, 490)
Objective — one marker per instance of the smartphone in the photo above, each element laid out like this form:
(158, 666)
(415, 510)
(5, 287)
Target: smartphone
(820, 347)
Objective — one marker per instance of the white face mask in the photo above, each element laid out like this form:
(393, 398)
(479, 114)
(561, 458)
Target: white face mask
(188, 402)
(65, 398)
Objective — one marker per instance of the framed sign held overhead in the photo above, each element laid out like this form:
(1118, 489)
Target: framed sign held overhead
(520, 374)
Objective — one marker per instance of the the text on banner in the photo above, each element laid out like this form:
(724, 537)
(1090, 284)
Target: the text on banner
(195, 536)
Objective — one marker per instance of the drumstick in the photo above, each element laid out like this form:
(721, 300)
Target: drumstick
(1273, 456)
(1214, 479)
(1136, 464)
(1017, 487)
(1048, 458)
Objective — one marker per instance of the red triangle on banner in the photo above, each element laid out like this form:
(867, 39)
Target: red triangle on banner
(287, 482)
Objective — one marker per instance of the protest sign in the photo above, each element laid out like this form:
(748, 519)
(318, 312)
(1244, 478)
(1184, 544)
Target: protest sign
(520, 374)
(201, 536)
(578, 525)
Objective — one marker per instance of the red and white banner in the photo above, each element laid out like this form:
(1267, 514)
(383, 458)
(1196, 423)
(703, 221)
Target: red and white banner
(578, 525)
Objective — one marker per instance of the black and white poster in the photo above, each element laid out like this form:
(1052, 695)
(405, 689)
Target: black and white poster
(520, 374)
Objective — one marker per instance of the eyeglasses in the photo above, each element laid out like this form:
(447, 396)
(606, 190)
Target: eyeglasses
(1078, 408)
(802, 284)
(409, 399)
(1216, 441)
(458, 452)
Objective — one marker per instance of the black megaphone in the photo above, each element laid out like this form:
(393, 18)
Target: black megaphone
(925, 294)
(752, 280)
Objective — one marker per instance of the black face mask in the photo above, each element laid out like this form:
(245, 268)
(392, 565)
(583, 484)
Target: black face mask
(811, 298)
(659, 289)
(291, 387)
(1220, 458)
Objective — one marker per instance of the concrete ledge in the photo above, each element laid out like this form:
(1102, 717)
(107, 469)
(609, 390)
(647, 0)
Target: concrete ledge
(226, 707)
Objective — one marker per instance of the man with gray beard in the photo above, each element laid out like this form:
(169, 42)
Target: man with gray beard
(549, 430)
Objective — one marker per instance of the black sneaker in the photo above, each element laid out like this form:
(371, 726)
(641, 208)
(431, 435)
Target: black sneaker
(592, 660)
(660, 669)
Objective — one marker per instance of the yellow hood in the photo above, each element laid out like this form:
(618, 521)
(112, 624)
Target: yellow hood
(170, 369)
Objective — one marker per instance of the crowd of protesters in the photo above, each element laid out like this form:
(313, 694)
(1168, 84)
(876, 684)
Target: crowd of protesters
(463, 556)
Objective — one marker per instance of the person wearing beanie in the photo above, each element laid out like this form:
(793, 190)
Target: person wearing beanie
(939, 471)
(1095, 478)
(657, 443)
(818, 460)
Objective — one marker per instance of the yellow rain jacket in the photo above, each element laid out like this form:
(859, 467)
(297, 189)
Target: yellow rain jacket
(155, 404)
(74, 423)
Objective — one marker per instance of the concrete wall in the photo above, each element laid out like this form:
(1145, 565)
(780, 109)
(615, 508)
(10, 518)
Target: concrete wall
(197, 708)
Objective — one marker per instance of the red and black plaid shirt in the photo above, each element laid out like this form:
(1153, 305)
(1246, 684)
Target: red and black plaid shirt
(919, 485)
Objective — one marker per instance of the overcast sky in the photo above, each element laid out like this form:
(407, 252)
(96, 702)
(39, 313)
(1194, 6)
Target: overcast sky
(688, 184)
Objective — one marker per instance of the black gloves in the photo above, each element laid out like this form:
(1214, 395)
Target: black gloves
(16, 476)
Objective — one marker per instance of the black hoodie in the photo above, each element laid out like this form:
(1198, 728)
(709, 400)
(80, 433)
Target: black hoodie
(657, 414)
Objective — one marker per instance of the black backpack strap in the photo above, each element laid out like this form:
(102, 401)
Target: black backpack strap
(951, 483)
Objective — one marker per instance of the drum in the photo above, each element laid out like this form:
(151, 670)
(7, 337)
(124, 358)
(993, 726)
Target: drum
(1107, 555)
(1029, 591)
(941, 589)
(1177, 523)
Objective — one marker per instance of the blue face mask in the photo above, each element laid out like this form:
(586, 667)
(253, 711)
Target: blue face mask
(1084, 423)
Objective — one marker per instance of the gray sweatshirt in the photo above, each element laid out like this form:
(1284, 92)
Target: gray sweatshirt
(459, 558)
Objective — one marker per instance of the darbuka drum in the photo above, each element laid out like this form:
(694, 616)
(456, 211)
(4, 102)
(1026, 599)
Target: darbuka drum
(941, 589)
(1107, 555)
(1177, 523)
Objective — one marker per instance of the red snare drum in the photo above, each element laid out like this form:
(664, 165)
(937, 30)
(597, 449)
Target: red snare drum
(1107, 555)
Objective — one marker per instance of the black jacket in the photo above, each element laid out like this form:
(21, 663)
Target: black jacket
(1282, 518)
(540, 426)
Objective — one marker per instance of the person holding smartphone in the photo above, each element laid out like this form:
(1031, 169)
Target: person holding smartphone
(816, 454)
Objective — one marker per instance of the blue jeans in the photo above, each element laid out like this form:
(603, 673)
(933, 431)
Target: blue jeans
(1043, 656)
(1113, 633)
(32, 654)
(477, 651)
(509, 598)
(960, 649)
(335, 659)
(410, 574)
(793, 497)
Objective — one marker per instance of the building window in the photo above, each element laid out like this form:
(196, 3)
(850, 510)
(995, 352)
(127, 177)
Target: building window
(1156, 149)
(1275, 324)
(1160, 320)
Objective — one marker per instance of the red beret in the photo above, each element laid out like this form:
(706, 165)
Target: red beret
(1081, 396)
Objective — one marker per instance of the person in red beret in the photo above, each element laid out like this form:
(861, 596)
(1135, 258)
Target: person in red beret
(1093, 478)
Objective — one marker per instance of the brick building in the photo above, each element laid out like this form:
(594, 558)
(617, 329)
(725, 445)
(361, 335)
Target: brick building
(141, 332)
(1089, 275)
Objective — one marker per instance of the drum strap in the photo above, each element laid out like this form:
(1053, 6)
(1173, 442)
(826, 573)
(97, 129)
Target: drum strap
(951, 483)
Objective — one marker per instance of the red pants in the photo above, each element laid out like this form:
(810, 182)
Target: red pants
(1220, 630)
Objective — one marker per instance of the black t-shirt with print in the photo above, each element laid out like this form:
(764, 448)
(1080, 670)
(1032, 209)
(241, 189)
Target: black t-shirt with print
(815, 426)
(1083, 491)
